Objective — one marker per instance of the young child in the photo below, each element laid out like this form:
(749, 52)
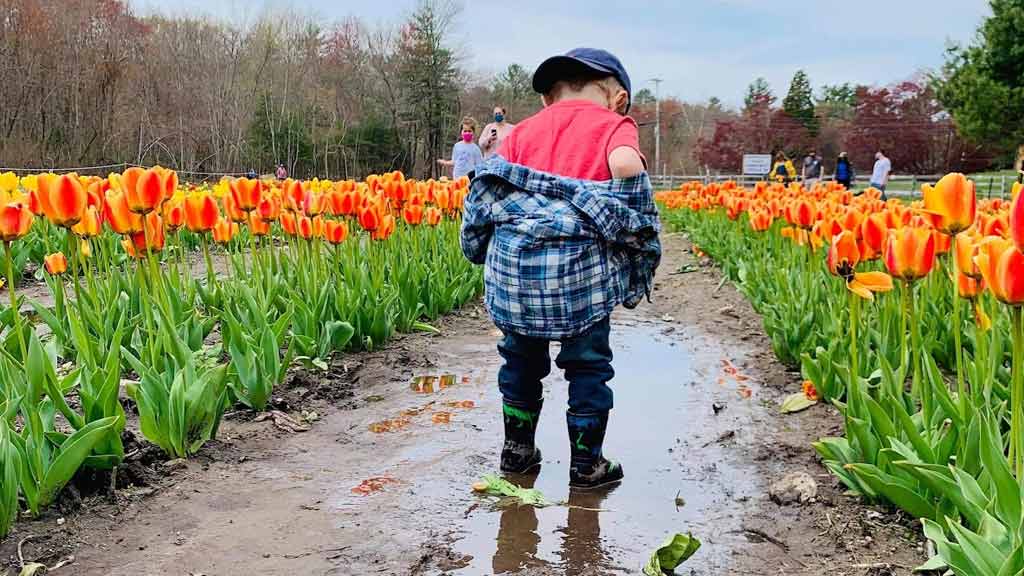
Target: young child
(564, 221)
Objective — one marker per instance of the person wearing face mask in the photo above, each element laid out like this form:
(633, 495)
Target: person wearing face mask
(466, 155)
(495, 132)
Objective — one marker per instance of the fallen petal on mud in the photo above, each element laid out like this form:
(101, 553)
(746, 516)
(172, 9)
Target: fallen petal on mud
(390, 425)
(371, 485)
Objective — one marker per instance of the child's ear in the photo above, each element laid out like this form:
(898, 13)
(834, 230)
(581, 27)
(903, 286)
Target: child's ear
(620, 101)
(545, 101)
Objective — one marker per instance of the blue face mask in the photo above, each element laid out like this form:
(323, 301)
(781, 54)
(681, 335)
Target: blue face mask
(499, 118)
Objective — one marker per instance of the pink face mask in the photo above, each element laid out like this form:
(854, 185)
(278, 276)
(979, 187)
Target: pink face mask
(467, 137)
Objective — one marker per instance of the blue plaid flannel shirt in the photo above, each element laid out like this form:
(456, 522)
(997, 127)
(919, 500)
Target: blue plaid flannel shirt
(559, 254)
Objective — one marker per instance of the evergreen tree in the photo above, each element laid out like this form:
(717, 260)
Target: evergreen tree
(758, 94)
(428, 70)
(983, 85)
(799, 102)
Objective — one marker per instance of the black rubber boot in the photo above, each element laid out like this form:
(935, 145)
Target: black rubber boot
(519, 455)
(588, 467)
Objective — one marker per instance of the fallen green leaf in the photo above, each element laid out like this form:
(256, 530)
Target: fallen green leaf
(676, 550)
(796, 403)
(495, 486)
(32, 568)
(934, 563)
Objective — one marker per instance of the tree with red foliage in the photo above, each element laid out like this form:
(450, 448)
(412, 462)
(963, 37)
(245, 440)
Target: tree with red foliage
(761, 129)
(913, 128)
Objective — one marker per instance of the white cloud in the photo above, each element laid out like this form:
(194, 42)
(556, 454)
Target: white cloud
(701, 48)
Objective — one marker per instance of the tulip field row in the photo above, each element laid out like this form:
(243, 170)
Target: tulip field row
(289, 273)
(908, 318)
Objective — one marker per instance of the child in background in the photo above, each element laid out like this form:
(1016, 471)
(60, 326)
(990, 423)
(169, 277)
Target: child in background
(564, 221)
(466, 155)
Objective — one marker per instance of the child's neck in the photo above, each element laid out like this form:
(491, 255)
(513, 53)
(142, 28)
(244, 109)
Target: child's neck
(589, 93)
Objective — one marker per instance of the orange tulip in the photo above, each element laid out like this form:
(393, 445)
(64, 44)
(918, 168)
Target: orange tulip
(89, 225)
(15, 221)
(224, 230)
(851, 220)
(433, 216)
(294, 192)
(874, 230)
(413, 214)
(966, 249)
(233, 211)
(246, 194)
(843, 257)
(269, 208)
(910, 253)
(347, 203)
(201, 212)
(258, 226)
(968, 287)
(809, 390)
(335, 231)
(760, 220)
(145, 190)
(174, 215)
(33, 202)
(843, 254)
(141, 243)
(801, 213)
(443, 197)
(62, 198)
(288, 223)
(56, 263)
(1002, 267)
(387, 226)
(952, 203)
(313, 204)
(369, 219)
(1017, 220)
(305, 227)
(118, 216)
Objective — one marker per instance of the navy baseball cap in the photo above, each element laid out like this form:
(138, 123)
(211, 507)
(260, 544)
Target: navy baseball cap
(580, 60)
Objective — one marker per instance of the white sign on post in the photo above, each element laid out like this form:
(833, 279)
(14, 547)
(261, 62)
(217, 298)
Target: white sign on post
(757, 164)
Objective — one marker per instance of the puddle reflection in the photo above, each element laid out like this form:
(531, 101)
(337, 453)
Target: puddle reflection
(663, 430)
(518, 540)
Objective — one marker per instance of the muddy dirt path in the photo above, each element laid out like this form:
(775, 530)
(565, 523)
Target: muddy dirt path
(381, 483)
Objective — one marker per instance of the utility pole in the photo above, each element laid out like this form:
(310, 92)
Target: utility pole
(657, 124)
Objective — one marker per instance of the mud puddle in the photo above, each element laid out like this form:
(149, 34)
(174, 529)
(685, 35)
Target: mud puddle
(669, 429)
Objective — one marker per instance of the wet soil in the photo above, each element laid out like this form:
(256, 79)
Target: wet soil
(380, 484)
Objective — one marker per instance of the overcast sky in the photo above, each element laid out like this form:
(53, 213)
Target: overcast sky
(701, 48)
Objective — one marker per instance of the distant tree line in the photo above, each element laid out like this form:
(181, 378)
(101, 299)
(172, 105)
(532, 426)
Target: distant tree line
(906, 120)
(87, 82)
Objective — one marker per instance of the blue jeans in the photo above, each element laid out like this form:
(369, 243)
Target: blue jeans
(586, 360)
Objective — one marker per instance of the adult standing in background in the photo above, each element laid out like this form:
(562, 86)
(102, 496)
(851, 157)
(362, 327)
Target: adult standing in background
(844, 171)
(281, 173)
(783, 170)
(811, 170)
(881, 172)
(495, 132)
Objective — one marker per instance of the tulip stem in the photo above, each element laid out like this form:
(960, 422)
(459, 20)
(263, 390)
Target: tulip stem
(904, 314)
(1016, 399)
(15, 313)
(853, 393)
(915, 345)
(961, 386)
